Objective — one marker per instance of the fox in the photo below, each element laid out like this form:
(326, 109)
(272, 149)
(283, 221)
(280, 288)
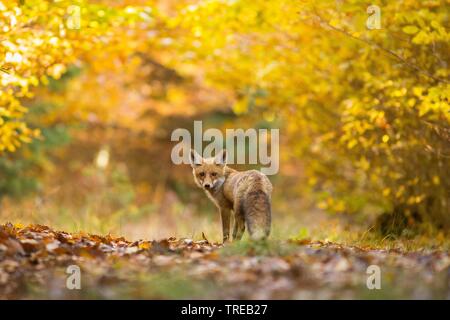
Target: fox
(244, 195)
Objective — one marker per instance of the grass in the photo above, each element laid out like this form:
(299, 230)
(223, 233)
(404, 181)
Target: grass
(335, 231)
(259, 248)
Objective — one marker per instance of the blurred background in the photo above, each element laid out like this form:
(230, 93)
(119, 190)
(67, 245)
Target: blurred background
(92, 90)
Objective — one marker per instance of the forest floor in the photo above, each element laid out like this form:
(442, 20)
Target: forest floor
(35, 264)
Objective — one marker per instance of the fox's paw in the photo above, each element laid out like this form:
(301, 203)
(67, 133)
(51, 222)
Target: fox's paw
(226, 240)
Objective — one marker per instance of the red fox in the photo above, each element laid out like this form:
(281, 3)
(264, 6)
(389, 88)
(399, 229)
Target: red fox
(246, 193)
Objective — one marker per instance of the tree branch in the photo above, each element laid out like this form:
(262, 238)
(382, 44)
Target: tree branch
(387, 51)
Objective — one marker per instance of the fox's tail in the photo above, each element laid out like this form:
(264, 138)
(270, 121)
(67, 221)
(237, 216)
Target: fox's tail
(257, 212)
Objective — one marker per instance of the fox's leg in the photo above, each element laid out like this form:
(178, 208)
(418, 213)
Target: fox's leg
(225, 216)
(235, 228)
(239, 223)
(239, 228)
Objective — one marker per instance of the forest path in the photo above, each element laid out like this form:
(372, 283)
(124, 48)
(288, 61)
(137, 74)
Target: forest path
(35, 260)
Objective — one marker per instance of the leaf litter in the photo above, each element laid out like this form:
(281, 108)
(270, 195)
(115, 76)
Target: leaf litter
(34, 259)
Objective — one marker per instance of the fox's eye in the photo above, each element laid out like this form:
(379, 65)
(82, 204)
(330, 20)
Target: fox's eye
(213, 174)
(201, 174)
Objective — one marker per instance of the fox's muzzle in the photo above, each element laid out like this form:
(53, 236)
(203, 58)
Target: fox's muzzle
(207, 186)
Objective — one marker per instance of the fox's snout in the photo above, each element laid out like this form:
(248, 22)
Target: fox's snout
(207, 182)
(207, 185)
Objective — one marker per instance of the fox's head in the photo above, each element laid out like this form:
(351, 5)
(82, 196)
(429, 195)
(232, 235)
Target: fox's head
(208, 172)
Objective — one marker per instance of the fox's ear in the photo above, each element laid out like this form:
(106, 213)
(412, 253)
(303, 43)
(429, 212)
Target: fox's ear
(221, 157)
(195, 158)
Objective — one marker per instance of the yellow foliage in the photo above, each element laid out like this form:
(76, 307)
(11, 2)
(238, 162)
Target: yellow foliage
(366, 109)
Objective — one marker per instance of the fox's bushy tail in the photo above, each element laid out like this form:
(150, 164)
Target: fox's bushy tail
(257, 213)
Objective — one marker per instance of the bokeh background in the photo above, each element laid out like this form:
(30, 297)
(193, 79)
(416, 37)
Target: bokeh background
(92, 90)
